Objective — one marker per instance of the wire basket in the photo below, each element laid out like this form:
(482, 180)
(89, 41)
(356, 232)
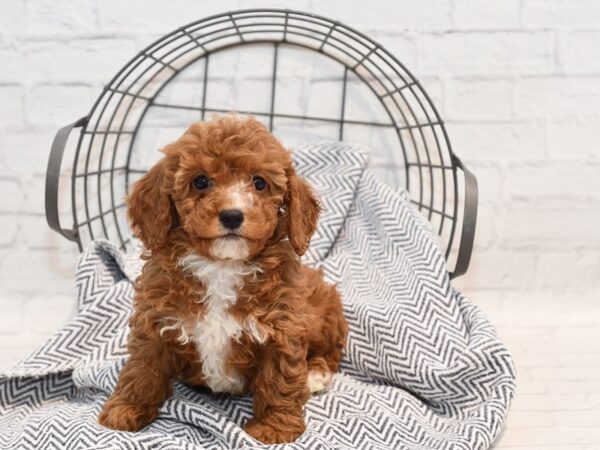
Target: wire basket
(305, 76)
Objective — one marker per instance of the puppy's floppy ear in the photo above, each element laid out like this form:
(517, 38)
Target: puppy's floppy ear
(149, 206)
(303, 211)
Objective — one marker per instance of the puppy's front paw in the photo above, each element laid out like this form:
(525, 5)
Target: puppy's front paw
(270, 434)
(123, 416)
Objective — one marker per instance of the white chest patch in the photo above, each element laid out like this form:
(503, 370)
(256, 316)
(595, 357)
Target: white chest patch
(213, 333)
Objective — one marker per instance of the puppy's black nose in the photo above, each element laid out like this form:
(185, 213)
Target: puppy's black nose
(231, 218)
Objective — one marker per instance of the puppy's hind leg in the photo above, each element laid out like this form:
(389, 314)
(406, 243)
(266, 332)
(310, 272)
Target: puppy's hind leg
(327, 333)
(319, 375)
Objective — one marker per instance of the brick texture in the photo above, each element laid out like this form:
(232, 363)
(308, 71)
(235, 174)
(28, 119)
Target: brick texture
(517, 82)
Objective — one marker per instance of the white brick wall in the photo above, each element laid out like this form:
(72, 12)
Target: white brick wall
(518, 82)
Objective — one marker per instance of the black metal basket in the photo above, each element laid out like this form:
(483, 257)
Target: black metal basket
(379, 103)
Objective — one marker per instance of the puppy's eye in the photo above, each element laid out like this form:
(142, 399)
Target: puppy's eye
(259, 183)
(201, 182)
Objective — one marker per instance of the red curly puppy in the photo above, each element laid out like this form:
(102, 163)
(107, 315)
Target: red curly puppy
(223, 300)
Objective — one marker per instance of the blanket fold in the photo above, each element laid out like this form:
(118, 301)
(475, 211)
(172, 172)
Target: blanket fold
(423, 366)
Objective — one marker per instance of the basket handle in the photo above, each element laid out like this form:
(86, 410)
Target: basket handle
(467, 235)
(52, 179)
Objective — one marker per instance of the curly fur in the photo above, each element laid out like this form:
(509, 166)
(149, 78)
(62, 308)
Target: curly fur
(233, 312)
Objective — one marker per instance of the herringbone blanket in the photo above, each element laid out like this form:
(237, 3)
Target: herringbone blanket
(423, 367)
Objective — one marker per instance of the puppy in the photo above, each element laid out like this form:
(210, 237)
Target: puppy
(223, 300)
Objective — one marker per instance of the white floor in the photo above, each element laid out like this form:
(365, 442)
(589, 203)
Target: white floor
(555, 341)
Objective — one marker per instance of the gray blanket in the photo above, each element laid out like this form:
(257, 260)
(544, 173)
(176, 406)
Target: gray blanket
(423, 366)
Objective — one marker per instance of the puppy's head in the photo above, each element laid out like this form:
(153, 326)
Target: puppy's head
(231, 186)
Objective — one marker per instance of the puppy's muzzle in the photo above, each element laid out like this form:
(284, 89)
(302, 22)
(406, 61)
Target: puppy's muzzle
(231, 218)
